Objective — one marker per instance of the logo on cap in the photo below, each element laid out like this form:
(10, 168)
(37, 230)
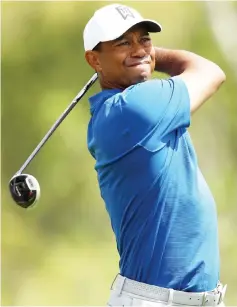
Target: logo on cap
(125, 12)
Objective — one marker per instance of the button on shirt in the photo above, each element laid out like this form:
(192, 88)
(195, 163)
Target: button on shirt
(161, 209)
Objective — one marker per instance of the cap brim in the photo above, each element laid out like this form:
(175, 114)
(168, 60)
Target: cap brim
(152, 25)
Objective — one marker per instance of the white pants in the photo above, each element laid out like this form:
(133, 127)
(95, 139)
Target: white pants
(130, 300)
(119, 297)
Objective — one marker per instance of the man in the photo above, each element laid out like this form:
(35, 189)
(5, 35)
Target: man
(161, 210)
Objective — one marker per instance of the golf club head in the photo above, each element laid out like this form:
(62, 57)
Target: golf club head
(24, 189)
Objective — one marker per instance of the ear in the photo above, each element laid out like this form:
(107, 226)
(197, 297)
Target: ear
(92, 58)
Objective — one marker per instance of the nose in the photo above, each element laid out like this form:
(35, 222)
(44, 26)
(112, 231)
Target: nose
(138, 51)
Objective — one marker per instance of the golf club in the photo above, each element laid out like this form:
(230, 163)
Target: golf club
(24, 188)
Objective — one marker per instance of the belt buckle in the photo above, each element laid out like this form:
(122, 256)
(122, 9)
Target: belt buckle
(111, 287)
(204, 299)
(222, 294)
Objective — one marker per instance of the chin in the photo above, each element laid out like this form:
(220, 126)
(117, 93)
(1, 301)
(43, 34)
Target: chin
(142, 72)
(142, 77)
(138, 76)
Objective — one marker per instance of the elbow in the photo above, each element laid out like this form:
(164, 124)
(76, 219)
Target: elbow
(223, 77)
(220, 76)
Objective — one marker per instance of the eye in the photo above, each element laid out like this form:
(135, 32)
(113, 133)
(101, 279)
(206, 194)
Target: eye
(123, 43)
(146, 39)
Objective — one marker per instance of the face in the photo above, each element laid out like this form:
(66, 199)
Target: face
(128, 60)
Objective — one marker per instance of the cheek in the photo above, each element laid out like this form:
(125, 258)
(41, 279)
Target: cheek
(153, 54)
(112, 64)
(153, 58)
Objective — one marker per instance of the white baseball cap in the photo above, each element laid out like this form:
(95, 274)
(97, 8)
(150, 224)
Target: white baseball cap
(111, 21)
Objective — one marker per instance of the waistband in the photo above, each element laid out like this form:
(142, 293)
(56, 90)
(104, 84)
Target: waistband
(155, 293)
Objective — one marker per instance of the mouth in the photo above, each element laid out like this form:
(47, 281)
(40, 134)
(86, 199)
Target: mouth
(139, 63)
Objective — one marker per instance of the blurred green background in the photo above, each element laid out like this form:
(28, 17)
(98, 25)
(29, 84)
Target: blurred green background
(63, 251)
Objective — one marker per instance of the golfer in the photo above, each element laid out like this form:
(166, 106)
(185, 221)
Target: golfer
(162, 212)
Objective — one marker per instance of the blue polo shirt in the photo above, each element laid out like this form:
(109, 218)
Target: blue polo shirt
(161, 209)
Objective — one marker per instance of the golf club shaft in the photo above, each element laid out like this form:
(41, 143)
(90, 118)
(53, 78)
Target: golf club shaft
(59, 121)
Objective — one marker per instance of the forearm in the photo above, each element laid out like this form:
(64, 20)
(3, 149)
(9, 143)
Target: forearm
(175, 62)
(201, 76)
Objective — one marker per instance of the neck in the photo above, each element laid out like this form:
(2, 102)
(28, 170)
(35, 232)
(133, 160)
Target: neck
(107, 85)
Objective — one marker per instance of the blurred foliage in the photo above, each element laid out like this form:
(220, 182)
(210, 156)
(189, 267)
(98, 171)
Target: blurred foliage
(63, 251)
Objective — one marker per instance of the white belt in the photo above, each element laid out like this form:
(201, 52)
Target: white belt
(155, 293)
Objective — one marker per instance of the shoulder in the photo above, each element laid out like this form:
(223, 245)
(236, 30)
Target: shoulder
(146, 101)
(149, 98)
(142, 110)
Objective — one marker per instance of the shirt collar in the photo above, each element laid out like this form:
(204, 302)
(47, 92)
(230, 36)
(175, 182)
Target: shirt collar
(100, 97)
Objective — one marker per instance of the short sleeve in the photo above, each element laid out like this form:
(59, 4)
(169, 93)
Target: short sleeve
(143, 114)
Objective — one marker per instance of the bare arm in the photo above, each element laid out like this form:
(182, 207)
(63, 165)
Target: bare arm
(201, 76)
